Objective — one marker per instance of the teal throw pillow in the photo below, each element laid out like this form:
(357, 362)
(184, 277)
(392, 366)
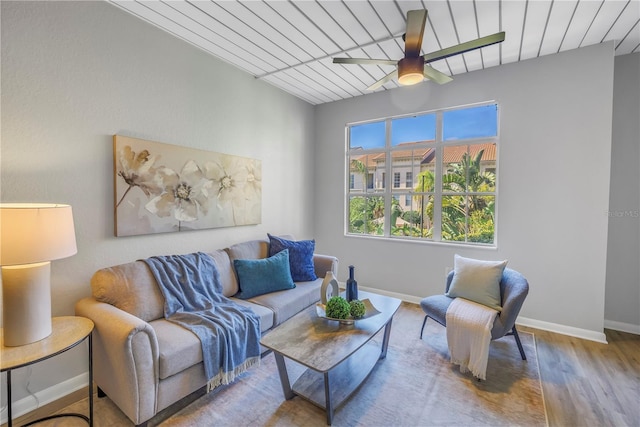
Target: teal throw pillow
(478, 281)
(261, 276)
(300, 256)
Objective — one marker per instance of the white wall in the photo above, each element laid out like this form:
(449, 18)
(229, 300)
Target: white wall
(554, 170)
(76, 73)
(622, 308)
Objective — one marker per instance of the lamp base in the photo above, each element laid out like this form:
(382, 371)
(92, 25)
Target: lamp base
(26, 296)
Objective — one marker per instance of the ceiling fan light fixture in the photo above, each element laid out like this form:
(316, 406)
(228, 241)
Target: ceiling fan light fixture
(410, 70)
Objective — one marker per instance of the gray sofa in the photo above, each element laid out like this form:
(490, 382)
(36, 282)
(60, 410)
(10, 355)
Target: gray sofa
(145, 363)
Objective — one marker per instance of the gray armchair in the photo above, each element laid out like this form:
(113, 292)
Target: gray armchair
(513, 291)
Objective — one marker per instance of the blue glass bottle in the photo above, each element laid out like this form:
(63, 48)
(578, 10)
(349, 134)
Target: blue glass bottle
(352, 286)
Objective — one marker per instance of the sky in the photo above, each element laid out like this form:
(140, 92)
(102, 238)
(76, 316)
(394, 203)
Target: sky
(458, 124)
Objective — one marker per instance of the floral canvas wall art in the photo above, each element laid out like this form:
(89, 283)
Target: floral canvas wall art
(162, 188)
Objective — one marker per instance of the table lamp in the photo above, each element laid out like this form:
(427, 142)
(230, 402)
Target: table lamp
(31, 235)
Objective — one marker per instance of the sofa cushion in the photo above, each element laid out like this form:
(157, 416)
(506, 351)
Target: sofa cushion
(300, 256)
(265, 314)
(261, 276)
(130, 287)
(253, 249)
(477, 280)
(286, 304)
(179, 347)
(227, 274)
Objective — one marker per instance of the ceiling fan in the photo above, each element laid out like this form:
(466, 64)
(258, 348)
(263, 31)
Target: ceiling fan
(413, 68)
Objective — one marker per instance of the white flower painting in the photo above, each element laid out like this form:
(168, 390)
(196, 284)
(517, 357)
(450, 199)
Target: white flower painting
(162, 188)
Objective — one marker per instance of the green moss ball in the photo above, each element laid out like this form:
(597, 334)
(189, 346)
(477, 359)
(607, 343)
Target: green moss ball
(337, 308)
(357, 308)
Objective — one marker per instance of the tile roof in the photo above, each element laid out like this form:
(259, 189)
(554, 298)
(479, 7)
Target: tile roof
(452, 154)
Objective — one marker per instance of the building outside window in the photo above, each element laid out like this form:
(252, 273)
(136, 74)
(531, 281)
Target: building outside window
(448, 158)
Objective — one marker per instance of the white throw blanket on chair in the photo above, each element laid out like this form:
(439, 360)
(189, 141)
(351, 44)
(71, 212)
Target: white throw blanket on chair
(469, 335)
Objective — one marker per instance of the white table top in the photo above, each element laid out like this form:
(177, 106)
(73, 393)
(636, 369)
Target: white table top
(67, 332)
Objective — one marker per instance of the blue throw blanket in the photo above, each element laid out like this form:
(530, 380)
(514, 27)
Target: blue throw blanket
(229, 332)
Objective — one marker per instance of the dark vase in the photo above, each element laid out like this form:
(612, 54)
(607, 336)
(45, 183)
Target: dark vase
(352, 286)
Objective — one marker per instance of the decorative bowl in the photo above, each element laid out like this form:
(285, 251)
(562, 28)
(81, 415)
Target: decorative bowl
(370, 311)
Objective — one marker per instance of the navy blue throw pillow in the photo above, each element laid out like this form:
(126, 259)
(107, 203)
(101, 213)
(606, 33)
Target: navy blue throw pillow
(300, 256)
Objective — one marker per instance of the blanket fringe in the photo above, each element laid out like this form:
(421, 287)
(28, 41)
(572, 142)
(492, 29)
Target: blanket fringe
(224, 378)
(475, 371)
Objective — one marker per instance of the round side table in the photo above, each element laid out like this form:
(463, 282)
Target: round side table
(68, 332)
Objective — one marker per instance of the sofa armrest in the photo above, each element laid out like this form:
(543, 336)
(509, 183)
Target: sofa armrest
(324, 263)
(125, 358)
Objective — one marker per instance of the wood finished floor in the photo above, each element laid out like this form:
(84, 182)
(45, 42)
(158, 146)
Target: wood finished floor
(584, 383)
(587, 383)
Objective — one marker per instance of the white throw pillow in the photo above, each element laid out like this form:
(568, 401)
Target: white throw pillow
(477, 280)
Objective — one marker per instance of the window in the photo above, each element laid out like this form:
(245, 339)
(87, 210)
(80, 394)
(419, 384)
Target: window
(396, 180)
(448, 159)
(370, 181)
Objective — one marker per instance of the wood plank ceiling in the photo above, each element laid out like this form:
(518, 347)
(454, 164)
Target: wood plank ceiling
(290, 44)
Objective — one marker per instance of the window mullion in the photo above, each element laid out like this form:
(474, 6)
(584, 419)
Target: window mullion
(437, 196)
(388, 184)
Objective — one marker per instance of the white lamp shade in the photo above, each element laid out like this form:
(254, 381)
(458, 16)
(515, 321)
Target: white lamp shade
(34, 232)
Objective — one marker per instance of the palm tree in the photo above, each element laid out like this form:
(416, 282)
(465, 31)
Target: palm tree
(359, 167)
(425, 183)
(466, 176)
(396, 211)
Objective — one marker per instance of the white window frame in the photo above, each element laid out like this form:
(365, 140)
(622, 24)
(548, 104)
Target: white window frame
(389, 191)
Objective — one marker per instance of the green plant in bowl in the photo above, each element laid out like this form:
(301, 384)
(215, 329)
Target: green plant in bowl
(357, 308)
(337, 308)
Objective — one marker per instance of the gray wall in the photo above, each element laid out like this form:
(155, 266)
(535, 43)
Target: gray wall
(76, 73)
(622, 308)
(554, 170)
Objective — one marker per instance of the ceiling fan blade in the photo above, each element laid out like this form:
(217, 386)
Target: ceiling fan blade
(390, 76)
(436, 76)
(415, 31)
(364, 61)
(464, 47)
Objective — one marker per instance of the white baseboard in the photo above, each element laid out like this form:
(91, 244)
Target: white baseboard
(46, 396)
(538, 324)
(622, 327)
(563, 329)
(403, 297)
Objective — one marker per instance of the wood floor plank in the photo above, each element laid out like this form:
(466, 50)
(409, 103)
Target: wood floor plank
(589, 383)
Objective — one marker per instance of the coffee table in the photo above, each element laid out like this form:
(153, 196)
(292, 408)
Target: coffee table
(339, 357)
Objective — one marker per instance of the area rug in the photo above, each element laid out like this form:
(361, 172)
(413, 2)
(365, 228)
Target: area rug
(415, 385)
